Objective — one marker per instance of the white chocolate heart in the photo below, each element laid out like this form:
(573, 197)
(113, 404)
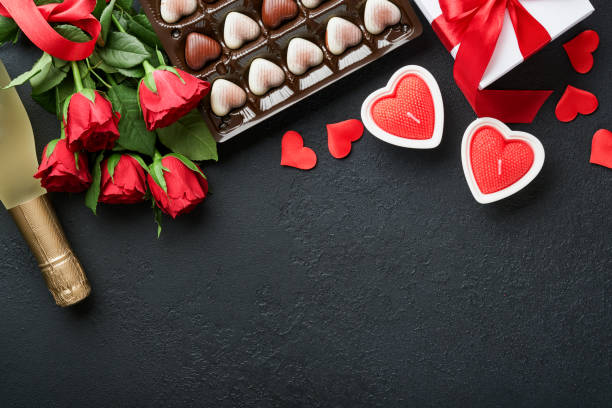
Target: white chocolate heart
(302, 55)
(225, 96)
(264, 75)
(172, 10)
(341, 34)
(380, 14)
(311, 3)
(239, 29)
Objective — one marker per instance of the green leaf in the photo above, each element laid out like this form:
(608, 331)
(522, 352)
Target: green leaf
(48, 99)
(125, 5)
(190, 137)
(141, 27)
(91, 197)
(9, 31)
(100, 6)
(136, 72)
(97, 63)
(23, 78)
(123, 50)
(48, 77)
(132, 129)
(105, 23)
(72, 33)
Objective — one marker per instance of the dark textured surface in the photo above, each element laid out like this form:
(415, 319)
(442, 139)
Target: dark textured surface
(371, 281)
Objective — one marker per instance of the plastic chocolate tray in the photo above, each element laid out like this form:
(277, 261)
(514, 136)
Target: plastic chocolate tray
(234, 64)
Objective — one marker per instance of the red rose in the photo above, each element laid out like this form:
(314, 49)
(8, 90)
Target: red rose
(59, 171)
(186, 188)
(175, 97)
(128, 184)
(91, 126)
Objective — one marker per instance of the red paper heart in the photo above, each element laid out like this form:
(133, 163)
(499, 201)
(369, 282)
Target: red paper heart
(294, 154)
(575, 101)
(496, 162)
(601, 149)
(341, 135)
(580, 50)
(408, 112)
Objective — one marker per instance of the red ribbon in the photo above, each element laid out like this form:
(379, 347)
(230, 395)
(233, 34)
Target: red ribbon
(34, 22)
(476, 24)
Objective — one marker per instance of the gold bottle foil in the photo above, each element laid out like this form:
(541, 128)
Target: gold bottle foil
(61, 269)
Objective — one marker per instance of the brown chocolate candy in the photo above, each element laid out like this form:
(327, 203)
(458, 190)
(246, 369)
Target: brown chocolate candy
(200, 49)
(274, 12)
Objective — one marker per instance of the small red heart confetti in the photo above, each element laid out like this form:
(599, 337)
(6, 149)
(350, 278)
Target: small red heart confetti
(601, 149)
(341, 135)
(294, 154)
(580, 50)
(575, 101)
(408, 112)
(498, 162)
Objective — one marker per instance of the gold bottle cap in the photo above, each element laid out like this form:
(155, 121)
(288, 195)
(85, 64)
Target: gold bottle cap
(61, 269)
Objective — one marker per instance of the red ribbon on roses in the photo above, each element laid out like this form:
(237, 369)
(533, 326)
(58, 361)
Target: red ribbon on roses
(476, 24)
(34, 22)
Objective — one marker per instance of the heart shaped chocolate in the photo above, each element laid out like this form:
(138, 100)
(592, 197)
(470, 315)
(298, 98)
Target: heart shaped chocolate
(274, 12)
(200, 49)
(311, 3)
(172, 10)
(239, 29)
(302, 55)
(408, 112)
(380, 14)
(264, 75)
(498, 162)
(341, 34)
(225, 96)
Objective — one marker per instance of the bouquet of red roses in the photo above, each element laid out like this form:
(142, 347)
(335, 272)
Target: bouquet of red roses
(130, 129)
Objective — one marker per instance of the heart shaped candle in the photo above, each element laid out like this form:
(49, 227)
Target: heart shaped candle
(408, 112)
(172, 11)
(225, 96)
(341, 34)
(239, 29)
(274, 12)
(498, 162)
(302, 55)
(380, 14)
(200, 49)
(264, 75)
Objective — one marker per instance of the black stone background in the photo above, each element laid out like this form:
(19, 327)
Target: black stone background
(371, 281)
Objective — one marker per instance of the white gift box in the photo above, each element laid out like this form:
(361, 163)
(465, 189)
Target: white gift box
(557, 16)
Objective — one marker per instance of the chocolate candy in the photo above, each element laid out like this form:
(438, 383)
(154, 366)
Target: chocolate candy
(200, 49)
(262, 56)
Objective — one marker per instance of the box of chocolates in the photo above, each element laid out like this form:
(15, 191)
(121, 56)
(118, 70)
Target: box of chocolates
(262, 56)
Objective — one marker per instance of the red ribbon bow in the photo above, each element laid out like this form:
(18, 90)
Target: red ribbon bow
(34, 22)
(476, 25)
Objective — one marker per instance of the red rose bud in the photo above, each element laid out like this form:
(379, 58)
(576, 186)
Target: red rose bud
(91, 126)
(59, 171)
(174, 97)
(127, 185)
(186, 188)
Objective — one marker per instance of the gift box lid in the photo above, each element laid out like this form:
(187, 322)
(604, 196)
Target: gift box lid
(557, 16)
